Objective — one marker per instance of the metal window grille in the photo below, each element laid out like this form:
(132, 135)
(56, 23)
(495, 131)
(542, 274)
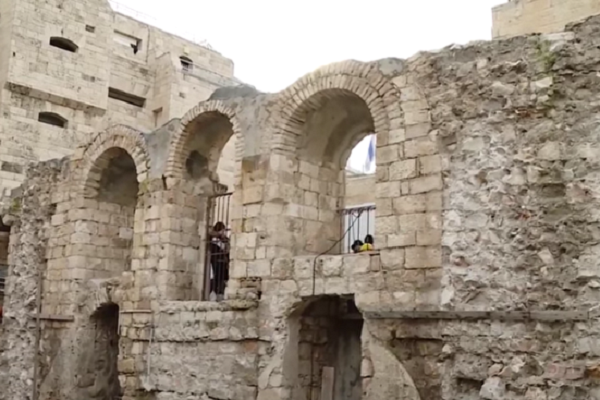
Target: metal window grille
(217, 262)
(357, 223)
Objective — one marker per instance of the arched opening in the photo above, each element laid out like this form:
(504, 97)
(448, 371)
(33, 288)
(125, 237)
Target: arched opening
(206, 136)
(112, 182)
(358, 215)
(324, 353)
(63, 44)
(187, 65)
(51, 118)
(205, 141)
(101, 379)
(329, 125)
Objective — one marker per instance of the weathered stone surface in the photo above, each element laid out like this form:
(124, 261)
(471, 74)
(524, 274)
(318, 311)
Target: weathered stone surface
(483, 283)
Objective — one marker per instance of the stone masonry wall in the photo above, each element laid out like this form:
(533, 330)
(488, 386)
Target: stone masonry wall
(37, 77)
(192, 349)
(521, 17)
(484, 282)
(30, 215)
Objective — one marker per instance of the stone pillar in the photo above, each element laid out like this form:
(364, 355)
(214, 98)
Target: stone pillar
(409, 203)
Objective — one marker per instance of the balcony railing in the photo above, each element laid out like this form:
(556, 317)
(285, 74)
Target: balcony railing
(357, 224)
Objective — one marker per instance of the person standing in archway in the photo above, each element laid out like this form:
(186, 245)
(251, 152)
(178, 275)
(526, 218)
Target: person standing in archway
(219, 259)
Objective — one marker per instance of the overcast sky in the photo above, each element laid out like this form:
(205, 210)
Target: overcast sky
(274, 42)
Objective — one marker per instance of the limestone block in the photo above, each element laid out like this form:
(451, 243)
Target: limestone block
(404, 169)
(420, 147)
(425, 184)
(392, 189)
(387, 154)
(330, 266)
(398, 135)
(392, 259)
(423, 257)
(402, 239)
(356, 264)
(493, 389)
(259, 268)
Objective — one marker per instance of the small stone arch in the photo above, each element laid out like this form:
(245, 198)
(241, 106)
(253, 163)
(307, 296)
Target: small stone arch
(362, 80)
(178, 151)
(117, 137)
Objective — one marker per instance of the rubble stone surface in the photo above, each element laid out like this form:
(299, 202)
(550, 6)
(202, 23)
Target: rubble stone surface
(484, 283)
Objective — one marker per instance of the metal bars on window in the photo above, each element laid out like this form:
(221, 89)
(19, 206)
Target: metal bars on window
(357, 223)
(218, 235)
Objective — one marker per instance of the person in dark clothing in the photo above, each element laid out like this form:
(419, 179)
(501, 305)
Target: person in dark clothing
(356, 246)
(219, 259)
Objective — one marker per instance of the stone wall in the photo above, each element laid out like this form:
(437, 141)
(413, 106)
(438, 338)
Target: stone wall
(521, 17)
(38, 77)
(483, 285)
(30, 215)
(193, 349)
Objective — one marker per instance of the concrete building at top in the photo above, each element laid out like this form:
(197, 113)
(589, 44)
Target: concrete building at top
(69, 69)
(521, 17)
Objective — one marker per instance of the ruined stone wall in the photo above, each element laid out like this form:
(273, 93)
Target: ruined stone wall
(30, 215)
(521, 17)
(483, 284)
(192, 349)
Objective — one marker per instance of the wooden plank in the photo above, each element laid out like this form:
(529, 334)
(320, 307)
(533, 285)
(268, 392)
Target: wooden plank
(327, 378)
(50, 317)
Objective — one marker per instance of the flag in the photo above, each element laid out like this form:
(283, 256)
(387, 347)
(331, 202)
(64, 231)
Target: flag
(370, 154)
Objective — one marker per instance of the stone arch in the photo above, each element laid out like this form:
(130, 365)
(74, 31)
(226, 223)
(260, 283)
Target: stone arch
(104, 146)
(320, 120)
(347, 78)
(112, 167)
(323, 336)
(199, 117)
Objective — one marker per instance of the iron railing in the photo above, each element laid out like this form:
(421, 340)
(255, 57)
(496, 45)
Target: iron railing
(218, 235)
(357, 224)
(3, 272)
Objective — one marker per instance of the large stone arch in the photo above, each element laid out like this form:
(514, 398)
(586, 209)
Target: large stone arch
(97, 154)
(360, 79)
(178, 151)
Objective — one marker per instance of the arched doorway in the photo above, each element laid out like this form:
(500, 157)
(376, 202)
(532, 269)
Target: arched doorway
(325, 335)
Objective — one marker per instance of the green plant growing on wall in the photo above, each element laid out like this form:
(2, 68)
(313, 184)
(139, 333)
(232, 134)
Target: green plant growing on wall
(15, 205)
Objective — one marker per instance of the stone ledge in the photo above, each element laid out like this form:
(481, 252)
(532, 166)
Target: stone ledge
(171, 307)
(479, 315)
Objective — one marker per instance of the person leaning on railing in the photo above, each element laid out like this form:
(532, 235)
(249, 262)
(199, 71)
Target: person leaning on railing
(368, 245)
(219, 259)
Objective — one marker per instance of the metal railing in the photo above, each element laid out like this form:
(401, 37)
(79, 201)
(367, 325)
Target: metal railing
(218, 235)
(151, 20)
(358, 223)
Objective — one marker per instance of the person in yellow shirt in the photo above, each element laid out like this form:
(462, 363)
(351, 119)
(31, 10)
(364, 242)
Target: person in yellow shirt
(369, 244)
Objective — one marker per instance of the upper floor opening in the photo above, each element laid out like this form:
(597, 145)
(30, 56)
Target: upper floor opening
(64, 44)
(187, 65)
(51, 118)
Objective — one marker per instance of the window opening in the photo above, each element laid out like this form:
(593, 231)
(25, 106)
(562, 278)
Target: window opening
(126, 97)
(51, 118)
(63, 44)
(129, 41)
(187, 65)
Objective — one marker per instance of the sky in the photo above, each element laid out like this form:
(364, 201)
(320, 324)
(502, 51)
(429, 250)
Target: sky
(274, 42)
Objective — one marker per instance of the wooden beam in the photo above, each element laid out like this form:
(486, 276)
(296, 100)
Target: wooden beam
(327, 378)
(51, 317)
